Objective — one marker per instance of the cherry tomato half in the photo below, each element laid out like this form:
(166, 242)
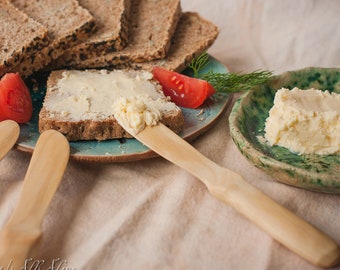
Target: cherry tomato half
(184, 91)
(15, 99)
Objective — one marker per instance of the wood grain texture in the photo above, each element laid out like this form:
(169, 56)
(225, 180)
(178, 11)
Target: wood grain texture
(42, 179)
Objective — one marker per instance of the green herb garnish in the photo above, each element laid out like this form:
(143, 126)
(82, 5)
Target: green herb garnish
(228, 82)
(236, 82)
(199, 63)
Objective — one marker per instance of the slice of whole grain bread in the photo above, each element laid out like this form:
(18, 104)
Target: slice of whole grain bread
(97, 124)
(111, 34)
(20, 36)
(193, 36)
(152, 25)
(67, 22)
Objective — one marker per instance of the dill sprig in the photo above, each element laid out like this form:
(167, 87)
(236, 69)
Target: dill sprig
(236, 82)
(228, 82)
(199, 63)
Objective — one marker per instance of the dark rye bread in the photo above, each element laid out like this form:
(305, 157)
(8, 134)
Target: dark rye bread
(152, 25)
(20, 36)
(67, 22)
(111, 34)
(192, 37)
(87, 129)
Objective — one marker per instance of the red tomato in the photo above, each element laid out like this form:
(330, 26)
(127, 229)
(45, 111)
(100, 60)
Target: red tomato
(184, 91)
(15, 99)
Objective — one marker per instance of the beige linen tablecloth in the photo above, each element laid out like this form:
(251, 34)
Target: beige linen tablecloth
(151, 214)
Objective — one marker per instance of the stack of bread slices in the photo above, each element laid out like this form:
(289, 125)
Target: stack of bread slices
(83, 34)
(54, 35)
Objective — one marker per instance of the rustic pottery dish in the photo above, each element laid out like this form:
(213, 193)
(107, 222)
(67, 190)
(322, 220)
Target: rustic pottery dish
(247, 122)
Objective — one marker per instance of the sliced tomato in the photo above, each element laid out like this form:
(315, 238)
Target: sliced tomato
(184, 91)
(15, 99)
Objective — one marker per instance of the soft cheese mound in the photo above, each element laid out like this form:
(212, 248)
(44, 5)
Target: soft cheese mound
(134, 113)
(305, 121)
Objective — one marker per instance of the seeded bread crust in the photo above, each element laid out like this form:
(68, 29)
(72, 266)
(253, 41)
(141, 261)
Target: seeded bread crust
(20, 36)
(112, 24)
(193, 36)
(67, 22)
(152, 25)
(90, 129)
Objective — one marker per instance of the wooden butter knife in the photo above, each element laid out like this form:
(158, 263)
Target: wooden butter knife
(229, 187)
(45, 171)
(9, 134)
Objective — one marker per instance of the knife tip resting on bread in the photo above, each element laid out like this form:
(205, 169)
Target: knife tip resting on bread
(79, 103)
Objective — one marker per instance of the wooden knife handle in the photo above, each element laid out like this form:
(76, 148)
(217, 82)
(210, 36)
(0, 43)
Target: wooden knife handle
(9, 133)
(42, 179)
(283, 225)
(228, 186)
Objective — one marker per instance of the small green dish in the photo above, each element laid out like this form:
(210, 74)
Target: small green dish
(247, 122)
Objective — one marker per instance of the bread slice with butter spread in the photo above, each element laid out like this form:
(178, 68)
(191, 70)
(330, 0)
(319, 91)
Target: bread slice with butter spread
(79, 104)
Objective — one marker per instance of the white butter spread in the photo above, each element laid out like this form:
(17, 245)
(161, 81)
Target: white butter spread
(305, 121)
(90, 95)
(135, 112)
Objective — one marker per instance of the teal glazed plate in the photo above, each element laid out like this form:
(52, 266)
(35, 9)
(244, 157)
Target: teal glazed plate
(247, 122)
(197, 121)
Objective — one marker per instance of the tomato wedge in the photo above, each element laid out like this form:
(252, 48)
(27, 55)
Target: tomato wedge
(15, 99)
(184, 91)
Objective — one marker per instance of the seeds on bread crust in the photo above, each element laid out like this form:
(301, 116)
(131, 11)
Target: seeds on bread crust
(151, 27)
(192, 29)
(111, 34)
(20, 36)
(67, 22)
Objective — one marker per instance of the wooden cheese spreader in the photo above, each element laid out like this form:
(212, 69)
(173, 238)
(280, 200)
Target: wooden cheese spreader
(44, 173)
(229, 187)
(9, 134)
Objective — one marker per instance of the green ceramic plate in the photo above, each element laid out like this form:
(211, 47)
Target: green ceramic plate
(247, 120)
(197, 121)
